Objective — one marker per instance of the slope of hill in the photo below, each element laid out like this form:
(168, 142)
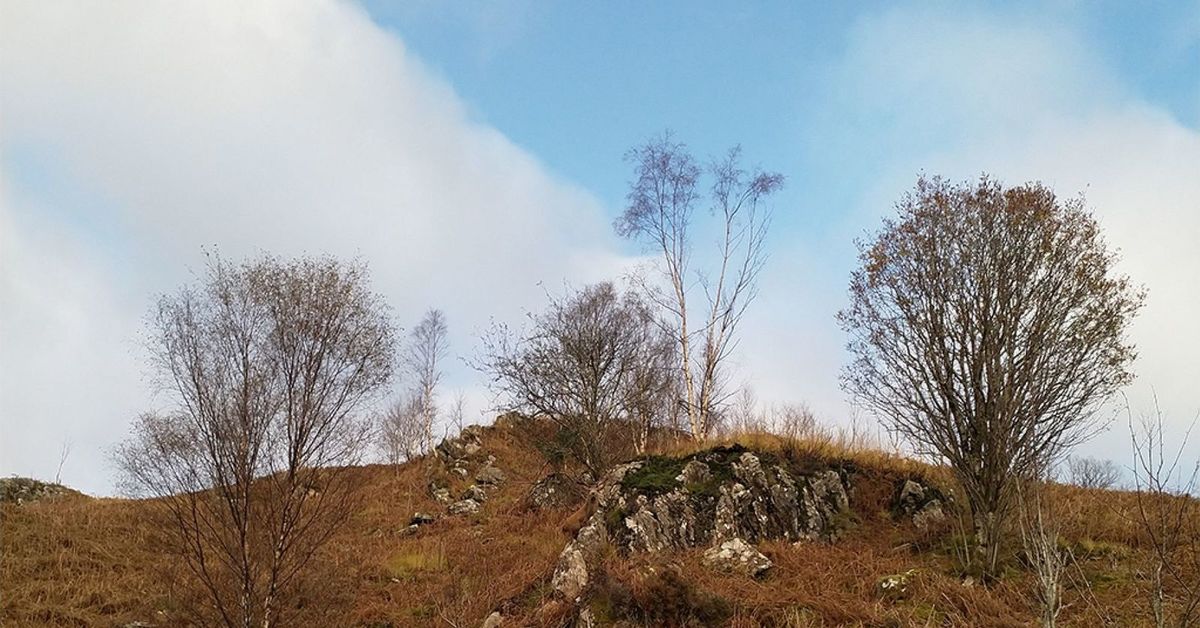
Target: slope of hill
(488, 539)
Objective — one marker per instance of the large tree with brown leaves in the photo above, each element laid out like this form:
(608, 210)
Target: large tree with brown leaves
(987, 327)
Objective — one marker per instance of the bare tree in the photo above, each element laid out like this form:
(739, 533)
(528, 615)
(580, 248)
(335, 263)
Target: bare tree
(742, 415)
(1092, 472)
(63, 453)
(267, 365)
(987, 326)
(793, 420)
(404, 430)
(427, 347)
(458, 412)
(1047, 558)
(595, 363)
(662, 205)
(1168, 514)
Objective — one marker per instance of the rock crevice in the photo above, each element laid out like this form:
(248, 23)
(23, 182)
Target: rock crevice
(722, 496)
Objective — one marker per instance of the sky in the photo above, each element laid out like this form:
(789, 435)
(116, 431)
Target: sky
(472, 154)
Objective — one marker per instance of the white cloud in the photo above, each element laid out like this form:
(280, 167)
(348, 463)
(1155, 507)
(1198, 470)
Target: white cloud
(959, 94)
(288, 127)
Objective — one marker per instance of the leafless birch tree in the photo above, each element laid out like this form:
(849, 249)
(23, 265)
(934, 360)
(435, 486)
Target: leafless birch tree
(662, 204)
(595, 363)
(1168, 515)
(267, 365)
(427, 347)
(987, 326)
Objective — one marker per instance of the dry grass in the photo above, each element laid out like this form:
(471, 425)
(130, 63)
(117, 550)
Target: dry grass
(77, 561)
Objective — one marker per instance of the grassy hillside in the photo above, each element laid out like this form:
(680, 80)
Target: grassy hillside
(72, 560)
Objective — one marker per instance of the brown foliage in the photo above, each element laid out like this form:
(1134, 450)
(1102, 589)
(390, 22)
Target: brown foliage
(987, 325)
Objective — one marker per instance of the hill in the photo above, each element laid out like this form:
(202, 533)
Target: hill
(482, 529)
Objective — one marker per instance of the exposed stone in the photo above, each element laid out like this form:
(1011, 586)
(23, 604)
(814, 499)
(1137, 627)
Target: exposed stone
(694, 473)
(492, 621)
(464, 507)
(440, 494)
(929, 514)
(554, 491)
(571, 574)
(919, 502)
(896, 586)
(474, 492)
(714, 496)
(421, 518)
(467, 443)
(737, 556)
(490, 474)
(20, 490)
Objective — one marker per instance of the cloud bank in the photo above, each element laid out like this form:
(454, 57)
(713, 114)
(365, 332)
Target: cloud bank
(278, 126)
(923, 90)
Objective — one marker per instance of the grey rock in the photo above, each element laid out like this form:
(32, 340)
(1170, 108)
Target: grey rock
(737, 556)
(464, 507)
(421, 518)
(896, 586)
(921, 503)
(476, 493)
(717, 496)
(571, 573)
(554, 491)
(694, 472)
(467, 443)
(490, 474)
(929, 514)
(441, 494)
(492, 621)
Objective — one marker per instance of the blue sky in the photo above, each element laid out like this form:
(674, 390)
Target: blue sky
(471, 153)
(558, 77)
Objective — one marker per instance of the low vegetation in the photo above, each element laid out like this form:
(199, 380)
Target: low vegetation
(84, 562)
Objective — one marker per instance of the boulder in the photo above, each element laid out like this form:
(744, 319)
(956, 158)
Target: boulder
(661, 504)
(421, 518)
(896, 586)
(440, 494)
(492, 621)
(467, 443)
(464, 507)
(737, 556)
(490, 475)
(919, 502)
(474, 492)
(554, 491)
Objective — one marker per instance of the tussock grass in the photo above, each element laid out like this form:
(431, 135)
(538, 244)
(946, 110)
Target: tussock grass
(77, 561)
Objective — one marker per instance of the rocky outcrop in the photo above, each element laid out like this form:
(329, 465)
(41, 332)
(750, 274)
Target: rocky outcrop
(468, 443)
(18, 490)
(556, 490)
(921, 503)
(490, 475)
(459, 455)
(703, 500)
(464, 507)
(737, 556)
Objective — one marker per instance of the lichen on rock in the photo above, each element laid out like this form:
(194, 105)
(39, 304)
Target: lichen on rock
(659, 504)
